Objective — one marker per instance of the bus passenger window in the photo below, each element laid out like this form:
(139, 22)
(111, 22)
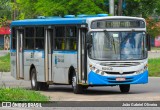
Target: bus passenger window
(65, 38)
(29, 44)
(71, 38)
(29, 38)
(13, 46)
(39, 38)
(59, 44)
(39, 44)
(59, 38)
(70, 44)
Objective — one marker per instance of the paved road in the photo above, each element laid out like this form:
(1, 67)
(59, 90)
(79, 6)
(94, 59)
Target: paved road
(147, 92)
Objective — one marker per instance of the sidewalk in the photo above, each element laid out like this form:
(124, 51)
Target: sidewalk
(4, 52)
(154, 51)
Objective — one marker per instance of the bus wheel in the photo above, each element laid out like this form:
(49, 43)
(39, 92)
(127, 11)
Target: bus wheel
(34, 84)
(85, 87)
(124, 88)
(77, 89)
(44, 86)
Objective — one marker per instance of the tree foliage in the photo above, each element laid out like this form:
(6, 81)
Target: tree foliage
(33, 8)
(148, 9)
(25, 9)
(5, 9)
(143, 8)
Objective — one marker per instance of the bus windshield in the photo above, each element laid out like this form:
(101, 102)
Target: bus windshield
(127, 45)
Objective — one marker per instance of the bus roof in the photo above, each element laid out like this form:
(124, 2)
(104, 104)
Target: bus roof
(59, 20)
(49, 21)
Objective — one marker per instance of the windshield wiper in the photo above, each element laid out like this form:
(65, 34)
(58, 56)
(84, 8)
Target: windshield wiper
(110, 39)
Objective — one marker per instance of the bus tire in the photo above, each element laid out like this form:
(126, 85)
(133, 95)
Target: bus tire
(44, 86)
(124, 88)
(77, 89)
(85, 87)
(34, 84)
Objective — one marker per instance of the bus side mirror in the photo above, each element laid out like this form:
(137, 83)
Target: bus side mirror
(148, 42)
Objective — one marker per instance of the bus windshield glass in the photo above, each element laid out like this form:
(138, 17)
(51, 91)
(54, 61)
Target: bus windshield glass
(117, 45)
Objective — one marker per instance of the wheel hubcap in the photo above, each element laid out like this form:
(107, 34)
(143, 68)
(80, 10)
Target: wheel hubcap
(33, 80)
(74, 81)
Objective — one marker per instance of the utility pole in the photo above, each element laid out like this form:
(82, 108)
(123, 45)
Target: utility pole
(120, 7)
(111, 7)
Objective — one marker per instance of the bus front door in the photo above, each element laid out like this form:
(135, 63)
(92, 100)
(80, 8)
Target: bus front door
(48, 55)
(82, 56)
(19, 54)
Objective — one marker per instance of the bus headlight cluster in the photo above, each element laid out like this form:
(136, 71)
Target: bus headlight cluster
(142, 70)
(139, 71)
(97, 70)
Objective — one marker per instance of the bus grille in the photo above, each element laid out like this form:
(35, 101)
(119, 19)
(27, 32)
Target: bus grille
(120, 64)
(117, 73)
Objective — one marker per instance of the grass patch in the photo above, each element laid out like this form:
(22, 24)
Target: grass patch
(154, 67)
(5, 63)
(19, 94)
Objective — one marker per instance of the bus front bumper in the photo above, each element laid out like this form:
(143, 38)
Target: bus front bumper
(96, 79)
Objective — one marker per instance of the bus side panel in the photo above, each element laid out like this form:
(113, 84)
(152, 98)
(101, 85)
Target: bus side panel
(62, 61)
(26, 73)
(13, 64)
(36, 59)
(40, 67)
(27, 64)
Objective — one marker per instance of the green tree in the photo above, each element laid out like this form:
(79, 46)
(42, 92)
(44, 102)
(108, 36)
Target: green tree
(5, 9)
(143, 8)
(5, 12)
(33, 8)
(146, 9)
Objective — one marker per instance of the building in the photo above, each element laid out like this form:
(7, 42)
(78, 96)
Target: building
(4, 38)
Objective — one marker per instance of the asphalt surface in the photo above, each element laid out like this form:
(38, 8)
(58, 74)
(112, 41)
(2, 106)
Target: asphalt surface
(142, 92)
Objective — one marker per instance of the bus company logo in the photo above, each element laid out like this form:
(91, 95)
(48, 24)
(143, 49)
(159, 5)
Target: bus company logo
(6, 104)
(121, 72)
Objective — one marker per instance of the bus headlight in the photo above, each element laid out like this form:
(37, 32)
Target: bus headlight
(102, 72)
(92, 68)
(97, 71)
(142, 70)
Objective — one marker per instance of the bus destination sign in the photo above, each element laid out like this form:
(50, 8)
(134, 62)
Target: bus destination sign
(117, 24)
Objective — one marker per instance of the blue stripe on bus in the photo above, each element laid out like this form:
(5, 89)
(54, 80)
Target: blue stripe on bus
(49, 21)
(96, 79)
(33, 50)
(65, 52)
(12, 50)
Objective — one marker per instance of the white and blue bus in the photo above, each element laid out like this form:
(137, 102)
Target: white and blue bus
(83, 51)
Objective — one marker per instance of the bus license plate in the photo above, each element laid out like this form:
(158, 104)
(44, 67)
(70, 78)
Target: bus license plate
(120, 79)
